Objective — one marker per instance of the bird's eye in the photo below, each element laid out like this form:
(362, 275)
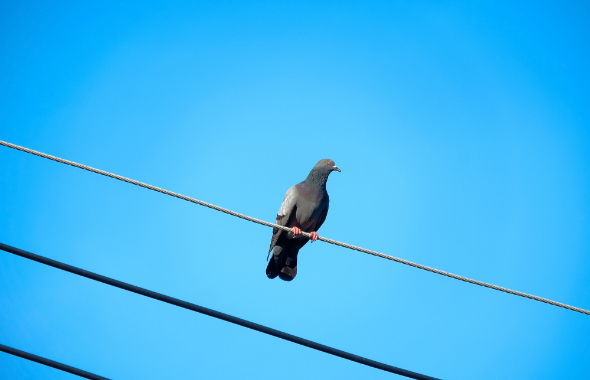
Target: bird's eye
(327, 162)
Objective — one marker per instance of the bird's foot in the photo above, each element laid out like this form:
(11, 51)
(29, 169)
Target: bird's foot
(314, 236)
(296, 230)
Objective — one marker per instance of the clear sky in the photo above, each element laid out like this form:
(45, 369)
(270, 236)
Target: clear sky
(462, 130)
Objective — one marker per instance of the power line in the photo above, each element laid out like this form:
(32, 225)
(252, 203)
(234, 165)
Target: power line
(264, 223)
(212, 313)
(50, 363)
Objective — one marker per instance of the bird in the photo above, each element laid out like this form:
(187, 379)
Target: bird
(304, 208)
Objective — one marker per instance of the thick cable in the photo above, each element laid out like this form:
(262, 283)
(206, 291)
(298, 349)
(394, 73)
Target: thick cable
(50, 363)
(212, 313)
(264, 223)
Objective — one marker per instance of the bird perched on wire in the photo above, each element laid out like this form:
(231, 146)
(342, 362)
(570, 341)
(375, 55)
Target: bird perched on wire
(304, 208)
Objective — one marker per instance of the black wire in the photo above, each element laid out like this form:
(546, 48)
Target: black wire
(50, 363)
(213, 313)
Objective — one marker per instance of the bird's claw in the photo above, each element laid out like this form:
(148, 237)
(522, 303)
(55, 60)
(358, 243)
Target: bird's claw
(314, 236)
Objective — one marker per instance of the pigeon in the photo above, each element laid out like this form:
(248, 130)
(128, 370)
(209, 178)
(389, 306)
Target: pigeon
(304, 208)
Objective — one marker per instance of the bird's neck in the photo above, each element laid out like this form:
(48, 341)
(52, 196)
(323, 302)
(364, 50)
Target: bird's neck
(317, 178)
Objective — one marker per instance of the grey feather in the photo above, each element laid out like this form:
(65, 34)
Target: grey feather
(305, 206)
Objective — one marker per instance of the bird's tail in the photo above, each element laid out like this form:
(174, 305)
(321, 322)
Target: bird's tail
(283, 263)
(272, 269)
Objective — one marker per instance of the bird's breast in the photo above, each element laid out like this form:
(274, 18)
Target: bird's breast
(308, 214)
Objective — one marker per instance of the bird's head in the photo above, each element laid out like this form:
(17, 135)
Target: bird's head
(320, 172)
(326, 166)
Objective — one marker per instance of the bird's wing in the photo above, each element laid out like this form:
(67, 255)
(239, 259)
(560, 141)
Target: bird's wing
(285, 213)
(322, 218)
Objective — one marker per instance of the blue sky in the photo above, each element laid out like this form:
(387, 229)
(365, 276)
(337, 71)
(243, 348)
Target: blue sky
(462, 131)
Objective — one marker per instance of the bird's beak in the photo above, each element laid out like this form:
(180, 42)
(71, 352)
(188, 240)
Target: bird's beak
(336, 168)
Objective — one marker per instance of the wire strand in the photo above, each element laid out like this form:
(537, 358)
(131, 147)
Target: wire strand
(50, 363)
(264, 223)
(212, 313)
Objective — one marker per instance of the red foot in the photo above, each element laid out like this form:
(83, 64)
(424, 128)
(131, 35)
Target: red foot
(296, 230)
(314, 236)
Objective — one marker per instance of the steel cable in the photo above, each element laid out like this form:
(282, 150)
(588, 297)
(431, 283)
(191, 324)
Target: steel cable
(264, 223)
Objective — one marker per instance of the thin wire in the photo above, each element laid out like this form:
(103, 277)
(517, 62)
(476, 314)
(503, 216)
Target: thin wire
(264, 223)
(212, 313)
(50, 363)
